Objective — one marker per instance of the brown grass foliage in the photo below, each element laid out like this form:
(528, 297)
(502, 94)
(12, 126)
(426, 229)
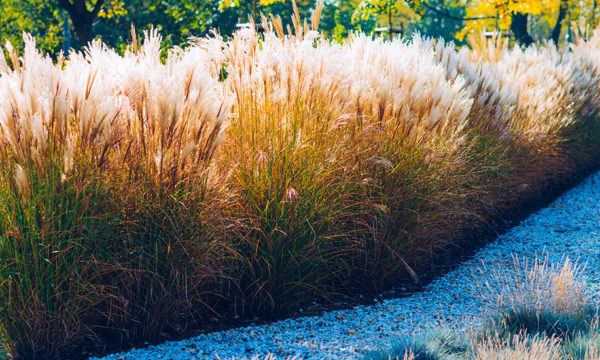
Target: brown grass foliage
(141, 198)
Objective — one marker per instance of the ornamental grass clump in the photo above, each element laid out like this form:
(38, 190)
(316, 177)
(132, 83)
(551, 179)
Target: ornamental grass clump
(104, 180)
(324, 149)
(147, 194)
(540, 311)
(538, 286)
(48, 224)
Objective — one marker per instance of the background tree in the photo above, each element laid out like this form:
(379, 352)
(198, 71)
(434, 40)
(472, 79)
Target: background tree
(39, 17)
(516, 15)
(83, 14)
(527, 20)
(175, 20)
(390, 12)
(413, 18)
(447, 25)
(240, 11)
(48, 20)
(254, 6)
(338, 19)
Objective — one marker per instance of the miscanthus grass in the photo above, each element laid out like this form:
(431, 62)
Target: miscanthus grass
(146, 196)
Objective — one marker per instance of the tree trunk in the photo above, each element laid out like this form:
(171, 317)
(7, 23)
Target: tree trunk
(562, 13)
(518, 26)
(83, 28)
(390, 22)
(82, 18)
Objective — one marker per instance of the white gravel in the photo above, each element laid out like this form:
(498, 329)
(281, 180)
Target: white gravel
(568, 227)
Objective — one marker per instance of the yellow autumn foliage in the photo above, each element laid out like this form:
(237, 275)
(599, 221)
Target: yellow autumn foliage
(497, 14)
(223, 4)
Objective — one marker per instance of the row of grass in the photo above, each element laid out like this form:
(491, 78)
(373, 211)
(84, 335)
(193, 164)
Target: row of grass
(144, 197)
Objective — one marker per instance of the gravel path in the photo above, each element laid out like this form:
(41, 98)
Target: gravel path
(568, 227)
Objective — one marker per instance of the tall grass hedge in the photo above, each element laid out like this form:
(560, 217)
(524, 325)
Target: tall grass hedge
(145, 196)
